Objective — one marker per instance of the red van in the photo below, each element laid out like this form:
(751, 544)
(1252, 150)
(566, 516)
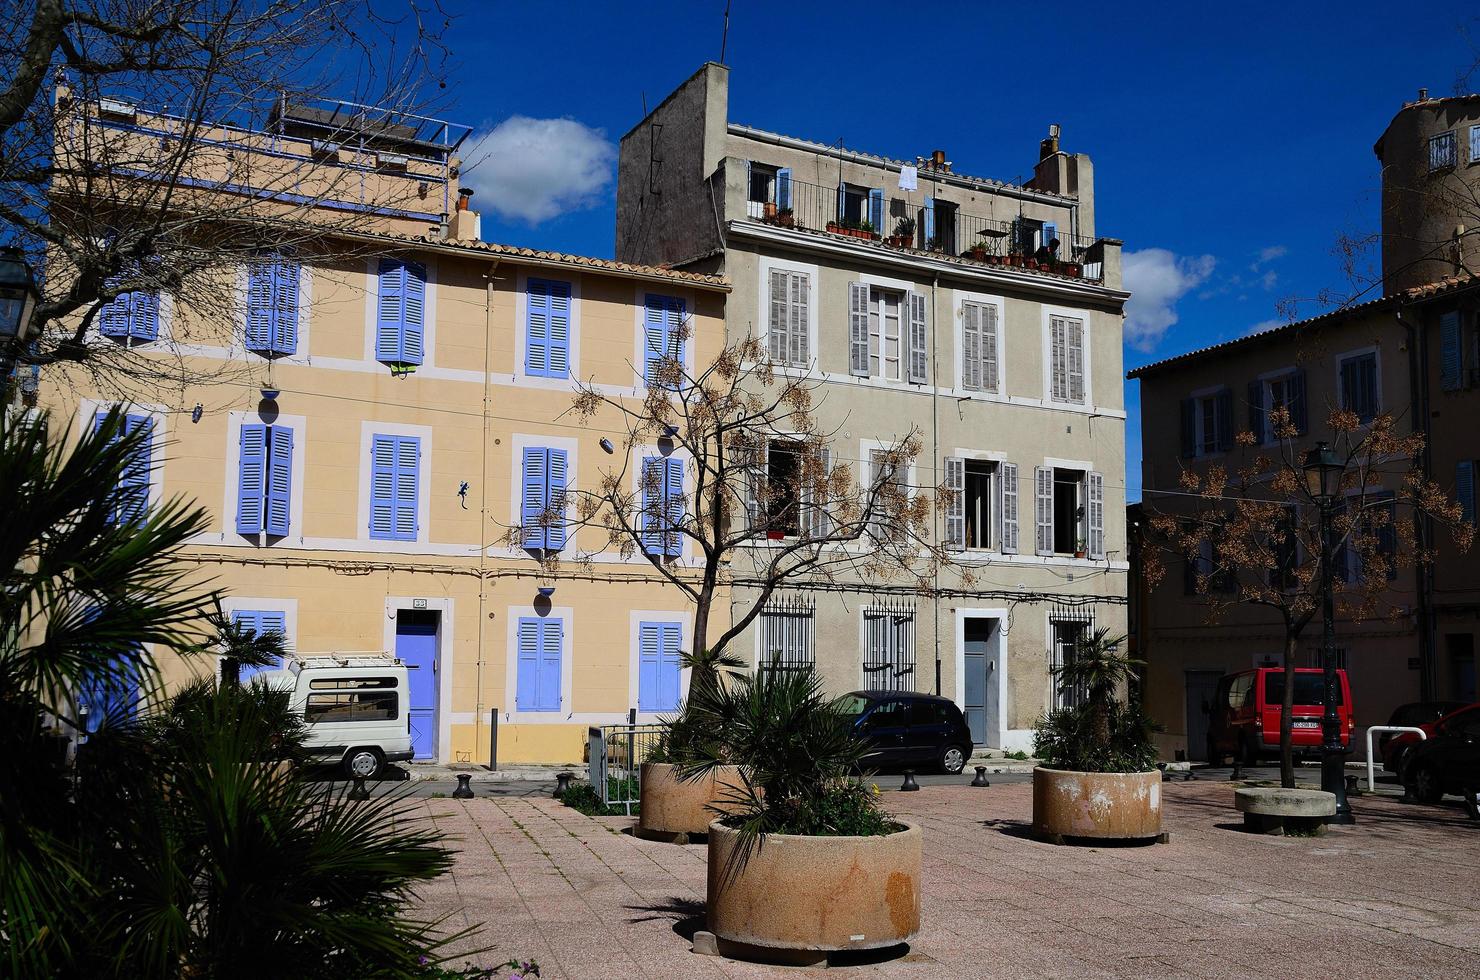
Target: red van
(1244, 718)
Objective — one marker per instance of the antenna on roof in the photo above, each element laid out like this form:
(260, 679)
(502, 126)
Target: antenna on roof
(724, 39)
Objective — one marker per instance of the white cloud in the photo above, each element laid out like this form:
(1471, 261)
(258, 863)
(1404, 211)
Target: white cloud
(535, 169)
(1157, 279)
(1264, 325)
(1268, 254)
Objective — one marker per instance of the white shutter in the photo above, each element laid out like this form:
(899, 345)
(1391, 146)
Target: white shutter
(755, 472)
(988, 370)
(1096, 516)
(776, 326)
(1009, 508)
(801, 298)
(956, 505)
(1043, 509)
(858, 328)
(971, 346)
(919, 372)
(1059, 370)
(1074, 342)
(816, 504)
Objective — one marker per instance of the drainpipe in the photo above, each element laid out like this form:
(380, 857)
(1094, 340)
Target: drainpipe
(483, 507)
(935, 454)
(1423, 572)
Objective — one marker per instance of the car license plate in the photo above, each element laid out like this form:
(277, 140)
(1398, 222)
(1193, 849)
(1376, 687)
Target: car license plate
(1306, 724)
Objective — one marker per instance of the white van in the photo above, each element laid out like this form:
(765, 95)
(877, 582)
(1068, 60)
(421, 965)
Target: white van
(356, 707)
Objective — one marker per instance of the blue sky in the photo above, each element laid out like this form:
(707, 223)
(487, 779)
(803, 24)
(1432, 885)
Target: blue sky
(1231, 143)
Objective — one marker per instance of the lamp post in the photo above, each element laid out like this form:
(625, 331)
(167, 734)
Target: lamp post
(17, 303)
(1322, 475)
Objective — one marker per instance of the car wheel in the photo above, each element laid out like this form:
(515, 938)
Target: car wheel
(952, 760)
(1426, 787)
(1400, 763)
(362, 763)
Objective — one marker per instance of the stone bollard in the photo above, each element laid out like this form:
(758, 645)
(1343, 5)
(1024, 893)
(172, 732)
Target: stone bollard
(464, 789)
(981, 777)
(909, 786)
(358, 791)
(562, 783)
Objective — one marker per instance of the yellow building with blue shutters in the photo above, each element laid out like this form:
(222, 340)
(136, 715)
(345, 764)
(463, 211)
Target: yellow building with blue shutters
(382, 407)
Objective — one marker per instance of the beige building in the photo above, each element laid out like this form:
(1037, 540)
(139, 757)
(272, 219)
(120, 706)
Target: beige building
(376, 414)
(984, 315)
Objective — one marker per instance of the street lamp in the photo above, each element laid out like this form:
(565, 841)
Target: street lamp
(1322, 478)
(17, 302)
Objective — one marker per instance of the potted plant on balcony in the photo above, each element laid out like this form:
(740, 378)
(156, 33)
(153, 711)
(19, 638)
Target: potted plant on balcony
(786, 218)
(1014, 259)
(768, 211)
(978, 251)
(1079, 548)
(808, 863)
(1073, 269)
(866, 230)
(1098, 779)
(672, 808)
(904, 233)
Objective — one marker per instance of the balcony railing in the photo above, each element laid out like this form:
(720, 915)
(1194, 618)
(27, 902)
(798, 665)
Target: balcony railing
(942, 228)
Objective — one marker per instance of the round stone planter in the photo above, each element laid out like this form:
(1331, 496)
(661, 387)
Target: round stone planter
(1269, 810)
(670, 807)
(808, 896)
(1097, 805)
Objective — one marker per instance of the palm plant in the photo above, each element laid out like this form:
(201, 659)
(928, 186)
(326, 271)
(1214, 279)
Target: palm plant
(242, 647)
(799, 756)
(1101, 733)
(694, 733)
(178, 845)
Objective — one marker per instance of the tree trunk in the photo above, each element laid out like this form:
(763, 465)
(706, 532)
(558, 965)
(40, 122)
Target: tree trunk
(1287, 759)
(231, 672)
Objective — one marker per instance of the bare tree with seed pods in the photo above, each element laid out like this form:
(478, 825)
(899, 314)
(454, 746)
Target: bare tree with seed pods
(724, 475)
(1249, 533)
(143, 156)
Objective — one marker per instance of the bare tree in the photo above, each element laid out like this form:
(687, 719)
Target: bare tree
(136, 160)
(731, 460)
(1250, 534)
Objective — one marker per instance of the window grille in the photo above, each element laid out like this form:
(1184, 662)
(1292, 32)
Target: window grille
(786, 634)
(889, 646)
(1066, 625)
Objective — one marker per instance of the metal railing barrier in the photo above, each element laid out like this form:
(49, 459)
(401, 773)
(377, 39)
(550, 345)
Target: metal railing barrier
(1371, 779)
(616, 755)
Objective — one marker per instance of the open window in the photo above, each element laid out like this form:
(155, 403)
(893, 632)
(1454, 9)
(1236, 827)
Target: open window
(1070, 512)
(978, 505)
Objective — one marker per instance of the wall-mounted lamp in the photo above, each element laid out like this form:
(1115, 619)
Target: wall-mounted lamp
(270, 394)
(197, 412)
(606, 444)
(546, 591)
(670, 430)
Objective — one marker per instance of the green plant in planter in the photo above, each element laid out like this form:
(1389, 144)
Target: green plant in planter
(1102, 733)
(905, 227)
(799, 756)
(696, 732)
(866, 225)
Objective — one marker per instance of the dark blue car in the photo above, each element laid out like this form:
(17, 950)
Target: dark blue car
(906, 730)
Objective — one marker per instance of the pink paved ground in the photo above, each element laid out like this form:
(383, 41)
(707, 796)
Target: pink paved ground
(1398, 895)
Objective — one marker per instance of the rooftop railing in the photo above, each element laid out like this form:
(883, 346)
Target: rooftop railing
(927, 225)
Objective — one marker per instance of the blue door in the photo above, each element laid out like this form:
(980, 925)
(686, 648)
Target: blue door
(416, 647)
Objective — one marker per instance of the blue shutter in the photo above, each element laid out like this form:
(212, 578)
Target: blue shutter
(1188, 411)
(842, 200)
(1225, 420)
(1256, 410)
(670, 670)
(143, 321)
(113, 317)
(1451, 358)
(1050, 232)
(929, 223)
(408, 465)
(1464, 488)
(649, 653)
(559, 329)
(673, 493)
(382, 487)
(134, 484)
(783, 189)
(284, 327)
(555, 499)
(256, 623)
(413, 314)
(527, 686)
(261, 290)
(549, 669)
(279, 482)
(533, 503)
(390, 310)
(537, 328)
(876, 210)
(1295, 393)
(653, 505)
(251, 479)
(655, 335)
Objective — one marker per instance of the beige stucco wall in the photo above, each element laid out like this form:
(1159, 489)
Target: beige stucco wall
(341, 588)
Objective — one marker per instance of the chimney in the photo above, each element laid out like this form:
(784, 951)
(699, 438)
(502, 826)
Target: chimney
(1423, 95)
(466, 224)
(1048, 147)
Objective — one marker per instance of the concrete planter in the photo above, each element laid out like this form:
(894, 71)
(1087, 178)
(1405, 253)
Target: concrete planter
(801, 897)
(1104, 805)
(670, 808)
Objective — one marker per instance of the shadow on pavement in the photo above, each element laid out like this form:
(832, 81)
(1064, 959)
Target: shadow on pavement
(687, 915)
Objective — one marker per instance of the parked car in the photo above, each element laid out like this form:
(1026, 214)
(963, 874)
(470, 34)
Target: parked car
(1448, 761)
(1395, 747)
(355, 706)
(1244, 718)
(907, 730)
